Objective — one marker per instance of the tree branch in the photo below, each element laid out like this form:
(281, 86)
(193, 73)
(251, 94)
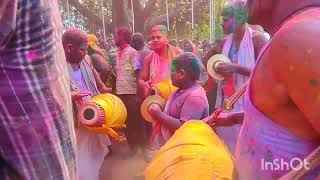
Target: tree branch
(148, 9)
(86, 12)
(161, 19)
(137, 6)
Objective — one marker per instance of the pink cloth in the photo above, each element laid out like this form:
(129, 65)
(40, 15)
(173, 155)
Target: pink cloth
(160, 71)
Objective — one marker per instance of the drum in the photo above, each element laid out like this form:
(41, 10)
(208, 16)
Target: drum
(193, 152)
(164, 89)
(103, 114)
(160, 94)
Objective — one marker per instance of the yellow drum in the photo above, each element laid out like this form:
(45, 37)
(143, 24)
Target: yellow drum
(160, 94)
(194, 152)
(103, 114)
(165, 89)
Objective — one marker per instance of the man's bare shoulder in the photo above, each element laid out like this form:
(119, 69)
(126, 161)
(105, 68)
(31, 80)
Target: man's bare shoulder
(179, 51)
(294, 57)
(148, 58)
(258, 36)
(293, 51)
(259, 39)
(299, 36)
(176, 50)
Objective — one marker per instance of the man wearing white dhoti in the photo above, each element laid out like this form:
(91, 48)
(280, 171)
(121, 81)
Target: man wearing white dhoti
(242, 46)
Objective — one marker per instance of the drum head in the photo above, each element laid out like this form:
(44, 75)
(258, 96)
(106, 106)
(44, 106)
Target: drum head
(91, 115)
(146, 104)
(213, 61)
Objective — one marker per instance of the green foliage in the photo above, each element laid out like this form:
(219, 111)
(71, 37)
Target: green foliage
(73, 19)
(181, 27)
(76, 19)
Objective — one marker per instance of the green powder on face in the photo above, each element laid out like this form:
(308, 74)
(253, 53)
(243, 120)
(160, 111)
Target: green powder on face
(162, 28)
(173, 64)
(237, 11)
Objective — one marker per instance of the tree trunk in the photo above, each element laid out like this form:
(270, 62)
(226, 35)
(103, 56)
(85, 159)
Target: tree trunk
(93, 18)
(119, 14)
(142, 14)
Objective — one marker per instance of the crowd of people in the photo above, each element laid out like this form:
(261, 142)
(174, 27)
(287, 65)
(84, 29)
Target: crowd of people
(46, 75)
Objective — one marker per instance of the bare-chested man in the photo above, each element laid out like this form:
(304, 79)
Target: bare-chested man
(156, 66)
(282, 117)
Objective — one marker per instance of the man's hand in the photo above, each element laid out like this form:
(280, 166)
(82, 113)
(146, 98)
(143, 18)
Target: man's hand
(227, 68)
(144, 88)
(210, 120)
(78, 95)
(224, 119)
(105, 90)
(154, 110)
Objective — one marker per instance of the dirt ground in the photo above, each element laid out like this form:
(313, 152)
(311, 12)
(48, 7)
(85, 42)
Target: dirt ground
(116, 167)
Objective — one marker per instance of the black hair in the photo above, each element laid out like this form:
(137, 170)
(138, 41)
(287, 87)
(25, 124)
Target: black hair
(74, 36)
(137, 41)
(124, 33)
(188, 62)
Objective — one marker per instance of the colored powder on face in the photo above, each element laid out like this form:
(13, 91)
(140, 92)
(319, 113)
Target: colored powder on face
(227, 12)
(236, 11)
(161, 28)
(173, 64)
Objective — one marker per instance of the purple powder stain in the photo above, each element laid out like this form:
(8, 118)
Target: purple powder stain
(32, 56)
(253, 153)
(267, 146)
(252, 142)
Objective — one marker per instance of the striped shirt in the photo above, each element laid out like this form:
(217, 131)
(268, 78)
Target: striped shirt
(128, 61)
(37, 137)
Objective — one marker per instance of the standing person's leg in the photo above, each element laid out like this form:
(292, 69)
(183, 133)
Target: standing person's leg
(91, 151)
(148, 130)
(139, 124)
(136, 125)
(128, 100)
